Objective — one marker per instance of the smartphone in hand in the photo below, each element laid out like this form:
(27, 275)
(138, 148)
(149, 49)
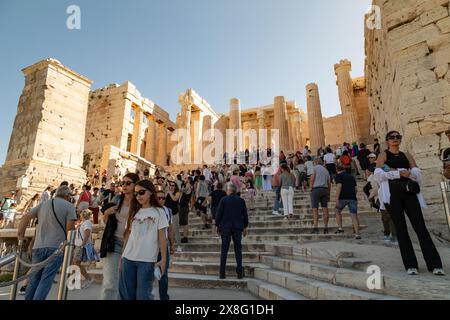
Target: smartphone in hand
(157, 273)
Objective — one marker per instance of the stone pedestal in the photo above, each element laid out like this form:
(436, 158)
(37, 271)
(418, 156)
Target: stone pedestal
(346, 98)
(315, 119)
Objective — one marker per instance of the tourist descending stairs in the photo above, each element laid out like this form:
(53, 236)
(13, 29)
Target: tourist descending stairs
(281, 260)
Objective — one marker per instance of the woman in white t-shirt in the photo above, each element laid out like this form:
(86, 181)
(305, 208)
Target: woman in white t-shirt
(145, 237)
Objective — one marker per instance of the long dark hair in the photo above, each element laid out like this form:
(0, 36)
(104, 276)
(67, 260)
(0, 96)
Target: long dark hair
(135, 206)
(133, 177)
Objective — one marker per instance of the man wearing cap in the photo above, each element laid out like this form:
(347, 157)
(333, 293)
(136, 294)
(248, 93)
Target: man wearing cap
(372, 165)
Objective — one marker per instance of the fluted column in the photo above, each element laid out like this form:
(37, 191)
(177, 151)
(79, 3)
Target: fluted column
(235, 118)
(280, 122)
(346, 98)
(162, 145)
(186, 110)
(291, 132)
(315, 120)
(135, 141)
(206, 136)
(150, 147)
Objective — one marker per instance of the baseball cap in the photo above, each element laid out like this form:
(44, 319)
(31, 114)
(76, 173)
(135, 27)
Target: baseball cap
(372, 155)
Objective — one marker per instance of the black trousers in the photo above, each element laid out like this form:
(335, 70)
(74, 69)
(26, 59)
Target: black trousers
(226, 236)
(401, 203)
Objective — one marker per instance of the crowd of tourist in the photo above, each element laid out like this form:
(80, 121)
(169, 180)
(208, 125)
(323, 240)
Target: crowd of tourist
(146, 217)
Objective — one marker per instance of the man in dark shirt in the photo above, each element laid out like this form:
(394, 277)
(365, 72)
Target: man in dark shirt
(109, 194)
(346, 196)
(231, 222)
(215, 197)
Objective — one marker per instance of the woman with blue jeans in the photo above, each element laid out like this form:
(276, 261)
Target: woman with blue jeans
(145, 237)
(115, 219)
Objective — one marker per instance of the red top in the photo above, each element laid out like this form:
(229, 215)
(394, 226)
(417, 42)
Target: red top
(85, 197)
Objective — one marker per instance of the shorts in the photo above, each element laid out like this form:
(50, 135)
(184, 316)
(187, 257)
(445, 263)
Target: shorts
(352, 206)
(198, 205)
(184, 216)
(320, 195)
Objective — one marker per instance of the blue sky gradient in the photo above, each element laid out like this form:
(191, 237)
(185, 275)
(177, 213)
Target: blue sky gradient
(250, 49)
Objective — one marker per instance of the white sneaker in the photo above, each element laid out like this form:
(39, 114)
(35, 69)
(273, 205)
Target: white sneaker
(275, 213)
(412, 272)
(439, 272)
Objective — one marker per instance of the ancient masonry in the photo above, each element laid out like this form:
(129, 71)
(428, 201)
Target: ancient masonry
(315, 119)
(123, 125)
(46, 143)
(408, 83)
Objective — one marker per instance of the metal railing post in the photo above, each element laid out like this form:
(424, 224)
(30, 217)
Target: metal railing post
(13, 292)
(445, 188)
(62, 292)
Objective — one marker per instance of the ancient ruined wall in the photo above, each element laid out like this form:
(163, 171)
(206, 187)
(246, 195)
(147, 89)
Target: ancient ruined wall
(408, 83)
(48, 134)
(334, 130)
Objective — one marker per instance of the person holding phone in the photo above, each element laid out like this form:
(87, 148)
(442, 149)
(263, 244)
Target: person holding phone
(145, 237)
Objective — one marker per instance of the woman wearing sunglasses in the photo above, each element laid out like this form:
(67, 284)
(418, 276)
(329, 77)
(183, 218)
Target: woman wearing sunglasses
(399, 193)
(115, 217)
(145, 237)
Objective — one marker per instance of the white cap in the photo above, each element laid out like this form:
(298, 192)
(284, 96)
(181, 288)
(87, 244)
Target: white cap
(372, 155)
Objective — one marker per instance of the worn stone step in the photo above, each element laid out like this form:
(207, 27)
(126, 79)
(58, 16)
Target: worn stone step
(279, 223)
(270, 291)
(247, 257)
(185, 280)
(285, 238)
(314, 289)
(216, 247)
(275, 230)
(211, 268)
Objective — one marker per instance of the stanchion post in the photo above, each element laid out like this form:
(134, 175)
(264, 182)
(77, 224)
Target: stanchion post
(13, 292)
(445, 196)
(62, 292)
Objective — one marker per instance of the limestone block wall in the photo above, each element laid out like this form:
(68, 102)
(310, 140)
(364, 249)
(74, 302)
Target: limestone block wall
(362, 109)
(408, 83)
(334, 130)
(48, 134)
(119, 162)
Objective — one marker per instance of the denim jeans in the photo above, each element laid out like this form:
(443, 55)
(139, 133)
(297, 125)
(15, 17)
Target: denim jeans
(136, 280)
(278, 204)
(226, 239)
(41, 282)
(164, 282)
(110, 285)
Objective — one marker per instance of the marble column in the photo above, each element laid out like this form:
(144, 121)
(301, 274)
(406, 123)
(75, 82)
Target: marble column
(261, 126)
(280, 122)
(206, 136)
(291, 132)
(235, 119)
(162, 145)
(186, 111)
(346, 98)
(136, 141)
(150, 147)
(315, 119)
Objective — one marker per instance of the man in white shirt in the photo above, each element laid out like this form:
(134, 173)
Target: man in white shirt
(46, 195)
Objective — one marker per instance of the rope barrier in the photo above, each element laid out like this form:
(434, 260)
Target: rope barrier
(36, 266)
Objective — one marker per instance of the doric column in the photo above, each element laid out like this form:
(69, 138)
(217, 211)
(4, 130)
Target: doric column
(162, 145)
(150, 146)
(291, 132)
(261, 125)
(206, 137)
(280, 122)
(135, 141)
(235, 118)
(186, 110)
(315, 120)
(346, 98)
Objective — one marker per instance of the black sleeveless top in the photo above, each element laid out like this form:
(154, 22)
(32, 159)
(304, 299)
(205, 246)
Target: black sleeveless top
(170, 203)
(397, 161)
(185, 199)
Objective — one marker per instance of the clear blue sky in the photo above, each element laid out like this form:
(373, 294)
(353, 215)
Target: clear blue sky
(250, 49)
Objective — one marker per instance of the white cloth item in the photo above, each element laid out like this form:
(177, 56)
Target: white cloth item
(309, 168)
(143, 242)
(85, 225)
(384, 194)
(45, 196)
(329, 158)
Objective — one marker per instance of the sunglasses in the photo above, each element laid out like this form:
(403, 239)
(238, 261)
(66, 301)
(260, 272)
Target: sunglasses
(140, 193)
(396, 137)
(125, 183)
(172, 185)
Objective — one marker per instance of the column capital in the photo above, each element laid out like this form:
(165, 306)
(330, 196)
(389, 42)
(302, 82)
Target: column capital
(343, 66)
